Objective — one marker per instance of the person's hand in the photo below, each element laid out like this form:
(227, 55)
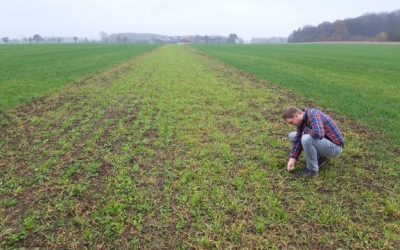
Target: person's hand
(291, 164)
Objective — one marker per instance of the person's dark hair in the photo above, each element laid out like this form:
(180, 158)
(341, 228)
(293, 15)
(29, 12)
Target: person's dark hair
(290, 112)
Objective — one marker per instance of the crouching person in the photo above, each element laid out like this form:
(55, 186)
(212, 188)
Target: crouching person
(317, 134)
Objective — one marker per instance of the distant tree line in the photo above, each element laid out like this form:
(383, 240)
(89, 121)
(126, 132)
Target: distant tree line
(36, 39)
(125, 38)
(381, 27)
(162, 39)
(273, 40)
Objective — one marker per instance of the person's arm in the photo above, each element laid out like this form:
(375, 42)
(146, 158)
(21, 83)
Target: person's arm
(316, 129)
(296, 150)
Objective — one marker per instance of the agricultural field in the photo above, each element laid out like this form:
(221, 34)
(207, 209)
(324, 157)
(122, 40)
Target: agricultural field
(174, 149)
(29, 71)
(359, 81)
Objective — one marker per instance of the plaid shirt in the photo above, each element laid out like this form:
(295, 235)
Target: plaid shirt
(319, 126)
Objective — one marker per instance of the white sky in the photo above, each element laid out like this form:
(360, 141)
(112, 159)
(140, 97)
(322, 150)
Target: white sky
(246, 18)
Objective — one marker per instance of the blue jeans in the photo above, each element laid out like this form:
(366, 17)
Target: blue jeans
(315, 148)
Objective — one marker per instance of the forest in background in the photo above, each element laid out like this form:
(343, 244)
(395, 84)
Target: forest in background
(379, 27)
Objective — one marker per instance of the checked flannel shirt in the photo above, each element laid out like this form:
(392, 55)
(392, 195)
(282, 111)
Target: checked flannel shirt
(319, 126)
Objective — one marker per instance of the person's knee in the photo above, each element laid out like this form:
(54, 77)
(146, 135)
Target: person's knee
(292, 136)
(306, 140)
(337, 151)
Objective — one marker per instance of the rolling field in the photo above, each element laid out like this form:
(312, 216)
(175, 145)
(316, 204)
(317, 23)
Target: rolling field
(29, 71)
(174, 149)
(359, 81)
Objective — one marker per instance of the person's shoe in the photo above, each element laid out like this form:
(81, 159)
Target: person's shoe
(322, 161)
(308, 173)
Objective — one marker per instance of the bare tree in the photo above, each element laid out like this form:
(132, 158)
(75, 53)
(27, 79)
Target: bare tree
(37, 38)
(5, 39)
(75, 39)
(232, 38)
(119, 39)
(103, 37)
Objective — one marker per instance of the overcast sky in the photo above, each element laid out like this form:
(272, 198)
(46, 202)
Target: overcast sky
(247, 18)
